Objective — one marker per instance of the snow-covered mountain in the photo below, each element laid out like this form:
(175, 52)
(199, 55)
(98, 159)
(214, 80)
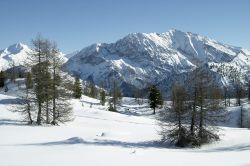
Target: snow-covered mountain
(140, 59)
(14, 55)
(71, 54)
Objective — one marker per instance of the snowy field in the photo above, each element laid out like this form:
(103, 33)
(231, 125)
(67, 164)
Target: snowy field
(98, 137)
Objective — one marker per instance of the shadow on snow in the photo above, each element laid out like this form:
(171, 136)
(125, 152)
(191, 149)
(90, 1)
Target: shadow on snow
(98, 142)
(12, 122)
(145, 144)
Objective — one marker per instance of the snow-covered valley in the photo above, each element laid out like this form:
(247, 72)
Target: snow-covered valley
(100, 137)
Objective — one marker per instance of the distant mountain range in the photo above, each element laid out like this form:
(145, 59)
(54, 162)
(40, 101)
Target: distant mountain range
(140, 59)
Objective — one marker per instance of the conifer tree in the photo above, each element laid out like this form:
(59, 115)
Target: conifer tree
(206, 112)
(60, 89)
(2, 79)
(50, 93)
(48, 77)
(93, 90)
(13, 73)
(194, 116)
(103, 97)
(37, 64)
(77, 90)
(116, 96)
(155, 98)
(175, 118)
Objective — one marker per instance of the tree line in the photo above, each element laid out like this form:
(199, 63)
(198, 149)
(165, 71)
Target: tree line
(91, 90)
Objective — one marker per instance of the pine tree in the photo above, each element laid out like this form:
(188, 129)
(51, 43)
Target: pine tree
(2, 79)
(47, 91)
(48, 77)
(236, 77)
(39, 75)
(38, 64)
(116, 96)
(93, 90)
(77, 90)
(103, 97)
(239, 92)
(13, 73)
(155, 98)
(60, 89)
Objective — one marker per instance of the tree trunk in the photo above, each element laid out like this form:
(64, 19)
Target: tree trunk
(38, 121)
(114, 96)
(193, 120)
(241, 117)
(54, 111)
(54, 94)
(193, 112)
(201, 123)
(28, 106)
(29, 114)
(225, 98)
(179, 121)
(47, 110)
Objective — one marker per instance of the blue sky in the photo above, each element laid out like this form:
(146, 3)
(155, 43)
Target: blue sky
(74, 24)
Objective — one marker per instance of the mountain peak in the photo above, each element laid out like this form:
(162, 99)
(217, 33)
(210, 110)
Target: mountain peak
(16, 48)
(173, 30)
(15, 53)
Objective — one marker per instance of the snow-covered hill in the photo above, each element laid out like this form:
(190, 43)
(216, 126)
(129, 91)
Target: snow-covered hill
(14, 55)
(140, 59)
(99, 137)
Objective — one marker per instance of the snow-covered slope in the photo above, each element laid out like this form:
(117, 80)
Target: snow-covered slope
(140, 59)
(14, 55)
(98, 137)
(71, 54)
